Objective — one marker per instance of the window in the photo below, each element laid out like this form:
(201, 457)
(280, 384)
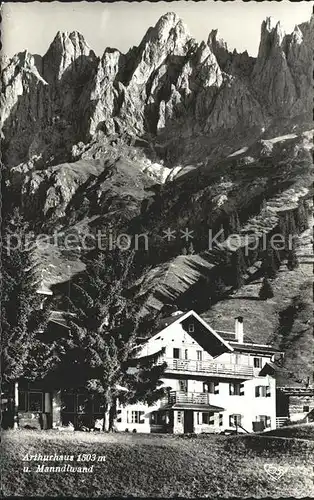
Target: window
(265, 419)
(159, 418)
(236, 389)
(199, 355)
(206, 386)
(176, 353)
(262, 391)
(183, 385)
(257, 362)
(119, 415)
(306, 409)
(136, 417)
(31, 401)
(35, 401)
(191, 328)
(186, 356)
(22, 401)
(97, 404)
(68, 403)
(211, 387)
(83, 403)
(208, 418)
(235, 420)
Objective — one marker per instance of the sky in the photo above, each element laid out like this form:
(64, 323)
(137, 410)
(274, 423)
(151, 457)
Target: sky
(121, 25)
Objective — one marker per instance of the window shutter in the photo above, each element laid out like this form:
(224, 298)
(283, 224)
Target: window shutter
(242, 390)
(257, 391)
(216, 388)
(119, 415)
(220, 419)
(141, 417)
(128, 417)
(268, 391)
(231, 389)
(231, 421)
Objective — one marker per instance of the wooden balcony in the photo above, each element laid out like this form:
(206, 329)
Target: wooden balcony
(208, 368)
(197, 398)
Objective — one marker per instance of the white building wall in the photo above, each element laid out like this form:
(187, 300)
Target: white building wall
(175, 337)
(247, 405)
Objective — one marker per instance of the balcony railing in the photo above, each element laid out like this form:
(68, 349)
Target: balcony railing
(208, 367)
(198, 398)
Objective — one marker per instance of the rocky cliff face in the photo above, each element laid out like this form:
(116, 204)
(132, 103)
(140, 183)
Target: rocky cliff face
(40, 100)
(173, 134)
(168, 86)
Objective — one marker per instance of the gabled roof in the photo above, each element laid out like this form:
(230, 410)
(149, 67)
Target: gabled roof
(164, 322)
(194, 406)
(269, 367)
(297, 391)
(227, 335)
(181, 317)
(248, 347)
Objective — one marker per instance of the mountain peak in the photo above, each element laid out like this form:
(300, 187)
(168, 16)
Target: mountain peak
(272, 32)
(168, 37)
(169, 24)
(269, 24)
(297, 35)
(66, 48)
(215, 41)
(169, 18)
(72, 41)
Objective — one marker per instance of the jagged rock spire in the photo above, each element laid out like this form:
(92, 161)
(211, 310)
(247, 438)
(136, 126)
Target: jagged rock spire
(70, 94)
(64, 51)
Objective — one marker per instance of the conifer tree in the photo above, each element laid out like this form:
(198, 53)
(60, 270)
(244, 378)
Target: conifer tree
(219, 287)
(270, 262)
(234, 222)
(25, 315)
(266, 291)
(191, 249)
(291, 223)
(105, 330)
(301, 218)
(239, 268)
(292, 259)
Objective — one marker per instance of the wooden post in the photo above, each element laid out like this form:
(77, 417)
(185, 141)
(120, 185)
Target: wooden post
(16, 405)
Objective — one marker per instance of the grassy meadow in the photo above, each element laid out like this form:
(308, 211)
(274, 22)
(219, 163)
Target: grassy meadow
(300, 431)
(160, 465)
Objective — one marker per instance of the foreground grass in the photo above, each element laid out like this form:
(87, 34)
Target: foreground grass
(300, 431)
(159, 465)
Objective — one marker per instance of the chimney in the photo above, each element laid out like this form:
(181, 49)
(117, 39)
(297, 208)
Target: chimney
(239, 329)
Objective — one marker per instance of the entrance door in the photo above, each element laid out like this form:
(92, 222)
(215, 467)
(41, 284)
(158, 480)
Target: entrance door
(188, 422)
